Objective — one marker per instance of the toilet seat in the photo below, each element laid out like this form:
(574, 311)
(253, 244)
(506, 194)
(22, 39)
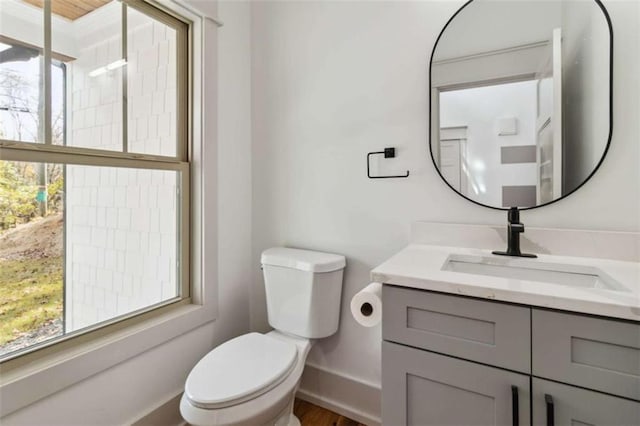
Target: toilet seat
(261, 409)
(231, 373)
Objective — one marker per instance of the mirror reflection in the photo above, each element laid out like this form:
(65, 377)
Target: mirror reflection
(520, 99)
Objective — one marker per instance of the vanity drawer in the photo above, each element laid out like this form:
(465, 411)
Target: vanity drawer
(488, 332)
(590, 352)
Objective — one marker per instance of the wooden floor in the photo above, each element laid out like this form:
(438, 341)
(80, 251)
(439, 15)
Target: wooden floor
(312, 415)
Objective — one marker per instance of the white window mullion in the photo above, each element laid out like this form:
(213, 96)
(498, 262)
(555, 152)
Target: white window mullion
(125, 72)
(47, 73)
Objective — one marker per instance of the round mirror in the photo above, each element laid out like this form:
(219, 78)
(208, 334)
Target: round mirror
(520, 99)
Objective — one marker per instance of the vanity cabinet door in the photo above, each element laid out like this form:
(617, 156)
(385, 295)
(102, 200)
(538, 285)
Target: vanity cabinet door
(422, 388)
(558, 404)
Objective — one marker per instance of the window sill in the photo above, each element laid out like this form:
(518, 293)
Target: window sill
(26, 384)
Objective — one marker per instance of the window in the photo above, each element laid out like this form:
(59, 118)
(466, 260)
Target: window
(94, 167)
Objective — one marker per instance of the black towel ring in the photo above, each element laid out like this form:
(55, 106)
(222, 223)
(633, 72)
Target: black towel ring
(388, 153)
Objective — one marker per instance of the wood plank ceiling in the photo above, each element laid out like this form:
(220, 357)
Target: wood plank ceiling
(70, 9)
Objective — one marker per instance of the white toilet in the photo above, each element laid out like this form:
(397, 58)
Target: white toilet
(252, 379)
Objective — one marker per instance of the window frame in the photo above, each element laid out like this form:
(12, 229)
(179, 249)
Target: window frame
(57, 352)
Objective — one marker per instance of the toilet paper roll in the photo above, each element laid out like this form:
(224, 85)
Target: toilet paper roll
(366, 305)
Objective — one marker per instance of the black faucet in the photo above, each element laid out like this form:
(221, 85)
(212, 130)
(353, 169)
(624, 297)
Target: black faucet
(514, 229)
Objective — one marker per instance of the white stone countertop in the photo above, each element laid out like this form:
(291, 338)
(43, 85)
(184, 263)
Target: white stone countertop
(420, 266)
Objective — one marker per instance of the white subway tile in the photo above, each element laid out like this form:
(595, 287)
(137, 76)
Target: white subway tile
(161, 78)
(119, 196)
(143, 38)
(149, 60)
(120, 240)
(118, 278)
(164, 124)
(133, 243)
(91, 176)
(98, 297)
(154, 244)
(101, 216)
(111, 218)
(133, 196)
(159, 32)
(168, 245)
(106, 196)
(133, 264)
(123, 304)
(78, 119)
(94, 96)
(98, 237)
(134, 85)
(149, 82)
(163, 53)
(171, 75)
(170, 101)
(110, 260)
(164, 269)
(75, 273)
(80, 234)
(153, 126)
(124, 218)
(93, 201)
(158, 103)
(152, 191)
(140, 221)
(95, 137)
(110, 238)
(115, 48)
(141, 128)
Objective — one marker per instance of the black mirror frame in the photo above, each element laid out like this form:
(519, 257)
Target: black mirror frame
(604, 153)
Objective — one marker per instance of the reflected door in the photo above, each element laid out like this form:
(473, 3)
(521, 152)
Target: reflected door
(549, 124)
(453, 150)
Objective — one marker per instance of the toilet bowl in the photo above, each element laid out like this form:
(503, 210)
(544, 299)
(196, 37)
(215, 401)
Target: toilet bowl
(246, 393)
(252, 379)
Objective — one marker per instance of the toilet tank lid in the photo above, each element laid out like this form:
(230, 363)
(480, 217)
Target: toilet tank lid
(303, 260)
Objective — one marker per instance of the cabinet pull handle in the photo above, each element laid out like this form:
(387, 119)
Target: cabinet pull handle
(548, 399)
(515, 407)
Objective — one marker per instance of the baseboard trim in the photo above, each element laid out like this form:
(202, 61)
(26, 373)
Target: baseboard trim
(166, 414)
(341, 394)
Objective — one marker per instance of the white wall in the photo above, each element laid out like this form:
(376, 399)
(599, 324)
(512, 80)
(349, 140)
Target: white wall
(334, 80)
(479, 109)
(124, 393)
(234, 162)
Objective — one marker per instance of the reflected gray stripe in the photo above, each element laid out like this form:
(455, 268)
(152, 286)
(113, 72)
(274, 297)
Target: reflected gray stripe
(519, 196)
(518, 154)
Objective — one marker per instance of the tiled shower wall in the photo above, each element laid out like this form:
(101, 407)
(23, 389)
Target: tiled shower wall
(121, 223)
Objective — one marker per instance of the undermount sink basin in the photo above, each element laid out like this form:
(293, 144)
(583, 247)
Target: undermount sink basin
(578, 276)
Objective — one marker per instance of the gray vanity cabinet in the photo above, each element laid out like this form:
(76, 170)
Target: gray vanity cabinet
(425, 388)
(452, 360)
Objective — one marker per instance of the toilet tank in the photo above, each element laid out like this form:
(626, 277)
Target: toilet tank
(303, 290)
